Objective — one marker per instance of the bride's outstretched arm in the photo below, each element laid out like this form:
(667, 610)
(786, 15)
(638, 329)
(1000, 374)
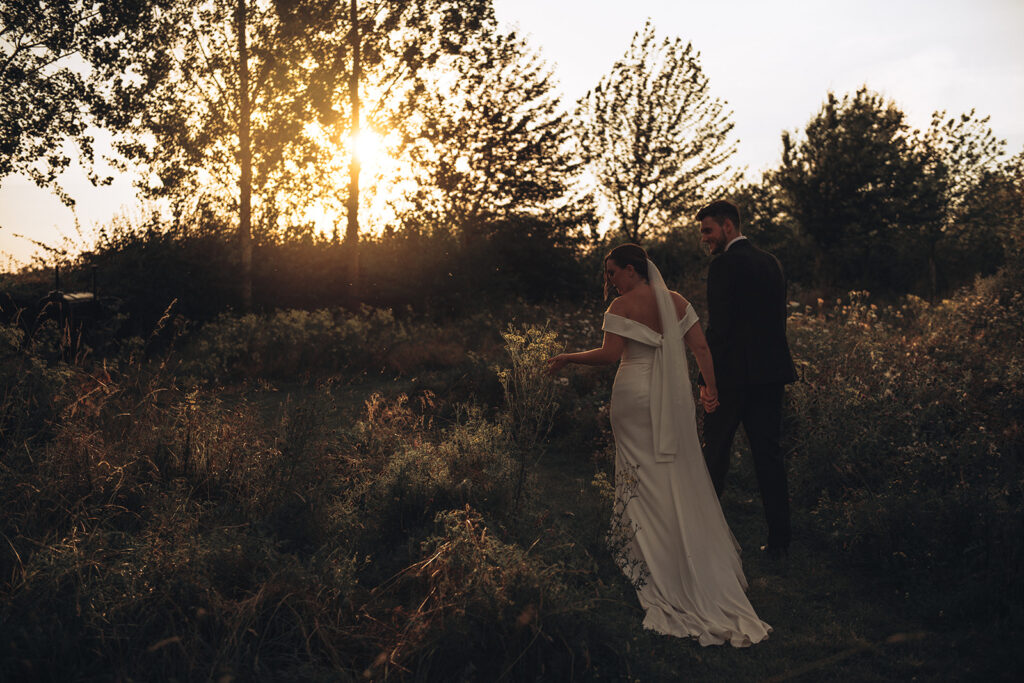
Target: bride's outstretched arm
(698, 345)
(610, 351)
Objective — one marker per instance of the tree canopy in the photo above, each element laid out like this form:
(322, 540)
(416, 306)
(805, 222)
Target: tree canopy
(494, 144)
(884, 206)
(44, 93)
(656, 140)
(858, 188)
(245, 117)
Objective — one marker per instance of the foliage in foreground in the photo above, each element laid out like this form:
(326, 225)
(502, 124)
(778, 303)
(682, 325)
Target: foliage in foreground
(908, 443)
(158, 527)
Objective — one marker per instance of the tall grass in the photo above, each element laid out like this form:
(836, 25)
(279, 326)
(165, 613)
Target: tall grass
(300, 495)
(156, 526)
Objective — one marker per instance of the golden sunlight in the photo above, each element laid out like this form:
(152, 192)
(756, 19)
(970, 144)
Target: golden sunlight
(370, 149)
(383, 180)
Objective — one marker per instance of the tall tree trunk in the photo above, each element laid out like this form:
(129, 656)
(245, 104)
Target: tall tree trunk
(352, 229)
(245, 159)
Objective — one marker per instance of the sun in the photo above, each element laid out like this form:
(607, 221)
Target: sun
(370, 149)
(382, 179)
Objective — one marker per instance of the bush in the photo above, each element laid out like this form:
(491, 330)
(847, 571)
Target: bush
(907, 440)
(493, 610)
(290, 344)
(163, 534)
(437, 273)
(147, 267)
(402, 471)
(31, 392)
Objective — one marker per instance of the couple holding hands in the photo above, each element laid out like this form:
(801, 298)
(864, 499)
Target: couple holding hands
(682, 552)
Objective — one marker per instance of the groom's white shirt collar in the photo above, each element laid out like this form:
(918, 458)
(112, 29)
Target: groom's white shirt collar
(734, 240)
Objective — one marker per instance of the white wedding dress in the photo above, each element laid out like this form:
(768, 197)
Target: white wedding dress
(681, 551)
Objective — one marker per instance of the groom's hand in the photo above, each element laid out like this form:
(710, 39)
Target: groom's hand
(709, 399)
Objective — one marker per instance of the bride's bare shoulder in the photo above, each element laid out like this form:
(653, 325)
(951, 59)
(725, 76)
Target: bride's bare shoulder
(618, 307)
(680, 303)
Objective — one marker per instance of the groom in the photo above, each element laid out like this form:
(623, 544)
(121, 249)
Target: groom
(747, 336)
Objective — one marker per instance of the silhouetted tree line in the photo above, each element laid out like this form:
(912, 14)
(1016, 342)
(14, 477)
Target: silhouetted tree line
(241, 117)
(863, 201)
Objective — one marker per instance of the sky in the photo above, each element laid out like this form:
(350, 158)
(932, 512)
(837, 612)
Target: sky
(773, 62)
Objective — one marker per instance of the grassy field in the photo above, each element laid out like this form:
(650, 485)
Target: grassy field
(347, 496)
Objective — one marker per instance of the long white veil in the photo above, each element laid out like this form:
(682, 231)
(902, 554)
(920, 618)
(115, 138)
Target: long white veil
(672, 390)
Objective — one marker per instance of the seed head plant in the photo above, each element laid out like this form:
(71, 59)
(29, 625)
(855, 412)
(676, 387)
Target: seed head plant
(530, 394)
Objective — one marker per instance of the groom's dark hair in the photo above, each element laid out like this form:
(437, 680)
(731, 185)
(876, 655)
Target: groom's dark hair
(719, 211)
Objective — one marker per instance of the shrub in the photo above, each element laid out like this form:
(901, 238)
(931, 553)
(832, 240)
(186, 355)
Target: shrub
(906, 438)
(292, 343)
(147, 266)
(31, 392)
(163, 534)
(530, 394)
(418, 473)
(492, 610)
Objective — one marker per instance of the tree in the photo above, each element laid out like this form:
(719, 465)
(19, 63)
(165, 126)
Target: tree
(244, 152)
(656, 140)
(240, 109)
(1014, 171)
(892, 208)
(962, 163)
(769, 221)
(193, 93)
(495, 146)
(44, 98)
(858, 187)
(315, 76)
(382, 50)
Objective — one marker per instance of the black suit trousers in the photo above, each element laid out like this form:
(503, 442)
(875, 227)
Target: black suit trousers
(758, 407)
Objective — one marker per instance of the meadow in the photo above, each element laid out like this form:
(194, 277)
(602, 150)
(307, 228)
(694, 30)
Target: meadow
(343, 494)
(299, 428)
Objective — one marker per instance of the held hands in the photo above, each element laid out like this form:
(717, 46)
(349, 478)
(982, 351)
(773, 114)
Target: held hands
(709, 398)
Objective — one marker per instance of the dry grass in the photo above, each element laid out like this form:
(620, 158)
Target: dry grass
(364, 525)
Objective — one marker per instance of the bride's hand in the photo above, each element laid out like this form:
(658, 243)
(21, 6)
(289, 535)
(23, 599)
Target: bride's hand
(557, 363)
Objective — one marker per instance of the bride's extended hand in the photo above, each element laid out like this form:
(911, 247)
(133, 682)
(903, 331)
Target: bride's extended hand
(557, 363)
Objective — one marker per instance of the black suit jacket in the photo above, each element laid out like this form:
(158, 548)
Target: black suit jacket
(747, 318)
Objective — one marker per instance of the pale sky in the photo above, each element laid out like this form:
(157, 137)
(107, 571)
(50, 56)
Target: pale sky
(773, 62)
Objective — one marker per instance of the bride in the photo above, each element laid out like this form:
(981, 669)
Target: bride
(682, 553)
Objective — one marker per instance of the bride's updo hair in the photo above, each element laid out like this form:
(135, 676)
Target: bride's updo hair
(627, 255)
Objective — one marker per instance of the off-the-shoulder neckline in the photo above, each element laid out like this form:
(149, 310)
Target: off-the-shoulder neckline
(647, 327)
(636, 322)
